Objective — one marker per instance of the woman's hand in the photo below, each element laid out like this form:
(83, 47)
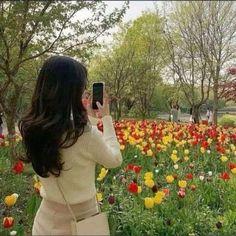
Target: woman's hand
(103, 110)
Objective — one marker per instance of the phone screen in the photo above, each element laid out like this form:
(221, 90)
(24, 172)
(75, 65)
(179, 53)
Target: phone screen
(97, 95)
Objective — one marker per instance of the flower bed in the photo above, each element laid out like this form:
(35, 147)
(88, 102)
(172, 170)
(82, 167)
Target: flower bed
(176, 179)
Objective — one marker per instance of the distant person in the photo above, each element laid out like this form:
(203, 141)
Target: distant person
(174, 113)
(210, 118)
(179, 112)
(208, 113)
(1, 123)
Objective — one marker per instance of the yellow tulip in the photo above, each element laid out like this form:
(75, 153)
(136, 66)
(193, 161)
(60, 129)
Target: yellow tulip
(102, 174)
(122, 147)
(202, 150)
(10, 200)
(233, 148)
(234, 170)
(175, 152)
(148, 175)
(186, 158)
(37, 186)
(159, 197)
(224, 158)
(169, 179)
(99, 197)
(209, 140)
(149, 183)
(160, 194)
(139, 189)
(186, 151)
(149, 153)
(182, 183)
(148, 202)
(174, 158)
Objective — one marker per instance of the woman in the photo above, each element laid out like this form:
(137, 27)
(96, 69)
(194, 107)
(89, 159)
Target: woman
(64, 151)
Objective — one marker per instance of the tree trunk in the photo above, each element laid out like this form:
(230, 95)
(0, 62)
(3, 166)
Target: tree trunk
(10, 120)
(215, 102)
(196, 114)
(119, 110)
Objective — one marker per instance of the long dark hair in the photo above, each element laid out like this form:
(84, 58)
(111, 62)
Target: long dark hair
(48, 125)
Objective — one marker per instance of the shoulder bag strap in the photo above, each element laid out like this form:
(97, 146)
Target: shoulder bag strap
(68, 205)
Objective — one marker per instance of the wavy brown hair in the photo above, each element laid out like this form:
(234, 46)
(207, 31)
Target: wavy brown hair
(48, 126)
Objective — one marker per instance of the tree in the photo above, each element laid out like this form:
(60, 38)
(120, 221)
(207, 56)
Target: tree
(217, 18)
(187, 58)
(145, 37)
(213, 31)
(31, 29)
(131, 67)
(114, 67)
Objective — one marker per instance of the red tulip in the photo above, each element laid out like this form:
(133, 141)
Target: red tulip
(232, 165)
(134, 168)
(225, 176)
(137, 169)
(133, 187)
(166, 191)
(8, 222)
(205, 144)
(189, 176)
(18, 167)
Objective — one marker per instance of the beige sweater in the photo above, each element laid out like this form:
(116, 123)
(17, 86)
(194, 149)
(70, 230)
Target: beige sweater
(78, 178)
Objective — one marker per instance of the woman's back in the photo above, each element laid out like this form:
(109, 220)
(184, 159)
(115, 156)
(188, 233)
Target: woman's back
(78, 175)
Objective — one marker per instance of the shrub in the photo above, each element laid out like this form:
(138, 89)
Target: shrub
(228, 120)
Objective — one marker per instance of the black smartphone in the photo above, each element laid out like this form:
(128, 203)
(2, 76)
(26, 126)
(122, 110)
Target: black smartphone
(98, 89)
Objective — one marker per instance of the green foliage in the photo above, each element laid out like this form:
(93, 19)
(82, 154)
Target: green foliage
(131, 66)
(228, 120)
(31, 31)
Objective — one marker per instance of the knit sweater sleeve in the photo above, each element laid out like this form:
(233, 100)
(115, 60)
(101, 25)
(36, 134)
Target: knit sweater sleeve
(93, 120)
(104, 147)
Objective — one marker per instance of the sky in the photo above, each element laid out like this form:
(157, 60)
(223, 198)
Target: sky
(136, 7)
(135, 10)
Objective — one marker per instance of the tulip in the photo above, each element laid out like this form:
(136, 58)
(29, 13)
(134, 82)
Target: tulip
(169, 179)
(102, 174)
(149, 183)
(181, 193)
(133, 187)
(111, 199)
(139, 189)
(8, 222)
(18, 167)
(193, 187)
(99, 197)
(37, 186)
(11, 199)
(148, 202)
(12, 233)
(182, 183)
(233, 170)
